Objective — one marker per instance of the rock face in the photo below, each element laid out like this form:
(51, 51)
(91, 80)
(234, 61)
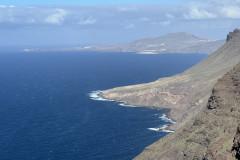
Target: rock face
(170, 43)
(187, 93)
(211, 135)
(236, 144)
(236, 32)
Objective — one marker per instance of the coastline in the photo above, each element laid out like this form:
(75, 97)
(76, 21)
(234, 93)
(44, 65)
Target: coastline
(96, 95)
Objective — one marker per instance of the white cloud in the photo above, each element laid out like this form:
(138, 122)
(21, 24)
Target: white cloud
(87, 21)
(4, 6)
(31, 20)
(56, 18)
(170, 16)
(163, 23)
(130, 26)
(223, 8)
(127, 8)
(197, 14)
(213, 2)
(231, 12)
(145, 19)
(224, 1)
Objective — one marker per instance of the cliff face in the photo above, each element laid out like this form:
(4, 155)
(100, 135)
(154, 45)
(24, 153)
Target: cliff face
(233, 34)
(236, 144)
(187, 93)
(214, 134)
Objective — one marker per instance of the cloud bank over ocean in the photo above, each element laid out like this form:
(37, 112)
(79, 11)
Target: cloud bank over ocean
(115, 23)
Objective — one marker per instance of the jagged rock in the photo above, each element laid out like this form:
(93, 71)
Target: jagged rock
(236, 144)
(214, 101)
(233, 34)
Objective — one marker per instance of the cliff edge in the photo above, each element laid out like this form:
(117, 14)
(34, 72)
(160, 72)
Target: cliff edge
(185, 94)
(214, 134)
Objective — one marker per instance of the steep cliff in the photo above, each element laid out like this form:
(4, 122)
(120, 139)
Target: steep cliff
(214, 134)
(236, 144)
(187, 93)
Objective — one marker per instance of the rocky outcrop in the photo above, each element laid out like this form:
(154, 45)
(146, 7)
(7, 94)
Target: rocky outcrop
(236, 144)
(235, 33)
(185, 94)
(211, 135)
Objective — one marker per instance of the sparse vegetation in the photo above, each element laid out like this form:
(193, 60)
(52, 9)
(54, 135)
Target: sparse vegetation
(187, 93)
(211, 133)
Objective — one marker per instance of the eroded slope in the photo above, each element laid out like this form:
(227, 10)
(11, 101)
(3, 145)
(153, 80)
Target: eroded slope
(213, 134)
(187, 93)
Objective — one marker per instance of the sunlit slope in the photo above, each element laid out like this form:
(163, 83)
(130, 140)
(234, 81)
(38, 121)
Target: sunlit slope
(171, 43)
(212, 134)
(186, 93)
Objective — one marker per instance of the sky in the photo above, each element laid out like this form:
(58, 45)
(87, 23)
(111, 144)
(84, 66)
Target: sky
(90, 22)
(81, 2)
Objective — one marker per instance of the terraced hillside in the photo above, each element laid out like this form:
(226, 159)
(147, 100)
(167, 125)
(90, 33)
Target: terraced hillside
(186, 94)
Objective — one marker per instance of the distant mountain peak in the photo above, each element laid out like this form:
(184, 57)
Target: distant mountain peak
(176, 34)
(205, 38)
(180, 42)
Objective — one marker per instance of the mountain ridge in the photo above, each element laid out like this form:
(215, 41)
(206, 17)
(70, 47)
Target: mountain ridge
(181, 42)
(184, 94)
(213, 134)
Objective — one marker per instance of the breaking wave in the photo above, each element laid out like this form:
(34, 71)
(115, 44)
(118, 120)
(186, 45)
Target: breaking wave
(94, 95)
(161, 129)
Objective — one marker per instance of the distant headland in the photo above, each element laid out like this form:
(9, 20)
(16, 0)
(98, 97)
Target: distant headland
(171, 43)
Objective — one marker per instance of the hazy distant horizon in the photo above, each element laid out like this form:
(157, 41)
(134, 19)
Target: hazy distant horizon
(80, 23)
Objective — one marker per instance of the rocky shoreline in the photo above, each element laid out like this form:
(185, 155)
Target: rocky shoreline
(184, 94)
(213, 134)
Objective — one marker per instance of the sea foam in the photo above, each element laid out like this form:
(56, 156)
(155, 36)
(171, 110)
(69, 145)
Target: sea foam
(165, 119)
(125, 104)
(94, 95)
(161, 129)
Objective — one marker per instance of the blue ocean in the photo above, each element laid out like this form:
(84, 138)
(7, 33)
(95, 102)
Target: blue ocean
(48, 110)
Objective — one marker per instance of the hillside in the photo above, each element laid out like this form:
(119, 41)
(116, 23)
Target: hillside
(186, 94)
(213, 134)
(170, 43)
